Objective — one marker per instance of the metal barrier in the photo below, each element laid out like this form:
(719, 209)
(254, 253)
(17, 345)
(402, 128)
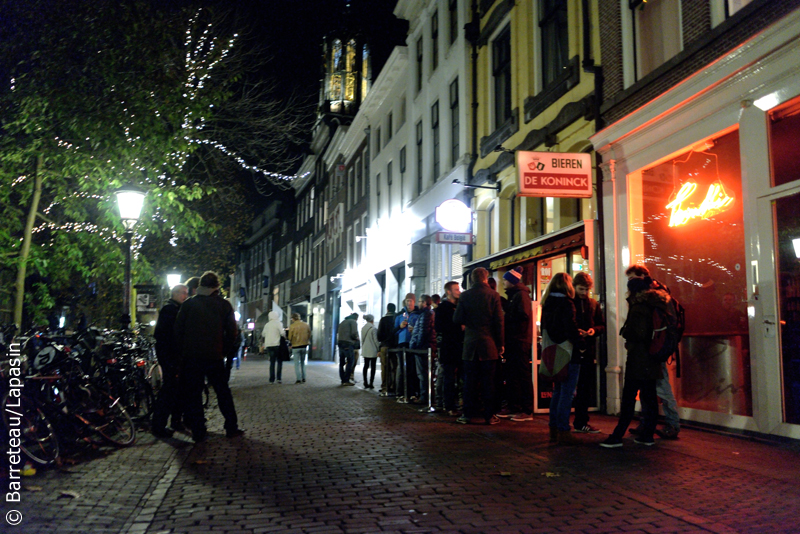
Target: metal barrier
(402, 363)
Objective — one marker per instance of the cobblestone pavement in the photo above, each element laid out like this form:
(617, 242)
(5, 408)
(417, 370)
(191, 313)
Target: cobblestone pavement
(319, 457)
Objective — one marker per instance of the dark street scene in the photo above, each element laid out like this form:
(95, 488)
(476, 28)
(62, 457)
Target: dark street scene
(405, 266)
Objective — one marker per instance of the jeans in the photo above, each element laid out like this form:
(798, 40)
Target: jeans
(346, 361)
(273, 359)
(668, 402)
(647, 394)
(299, 357)
(561, 402)
(421, 361)
(519, 379)
(449, 382)
(586, 395)
(479, 372)
(369, 363)
(193, 380)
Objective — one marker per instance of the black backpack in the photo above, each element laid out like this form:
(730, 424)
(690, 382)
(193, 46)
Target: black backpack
(669, 324)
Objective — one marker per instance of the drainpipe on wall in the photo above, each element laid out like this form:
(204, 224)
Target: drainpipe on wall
(472, 32)
(597, 70)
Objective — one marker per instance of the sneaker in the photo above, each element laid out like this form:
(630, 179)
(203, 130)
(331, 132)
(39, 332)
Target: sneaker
(522, 417)
(669, 432)
(297, 382)
(279, 382)
(505, 414)
(493, 420)
(586, 429)
(647, 442)
(383, 394)
(235, 433)
(162, 432)
(636, 431)
(454, 413)
(402, 400)
(304, 381)
(348, 384)
(463, 420)
(612, 442)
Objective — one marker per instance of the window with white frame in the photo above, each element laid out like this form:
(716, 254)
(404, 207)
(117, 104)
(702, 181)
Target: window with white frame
(350, 242)
(452, 8)
(357, 244)
(434, 40)
(402, 118)
(378, 195)
(351, 182)
(419, 64)
(377, 141)
(435, 139)
(656, 35)
(359, 179)
(721, 10)
(389, 195)
(501, 76)
(454, 123)
(402, 168)
(419, 158)
(389, 128)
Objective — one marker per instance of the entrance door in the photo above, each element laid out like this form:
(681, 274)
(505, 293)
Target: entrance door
(783, 330)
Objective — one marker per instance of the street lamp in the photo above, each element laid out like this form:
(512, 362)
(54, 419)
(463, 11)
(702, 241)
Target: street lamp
(130, 200)
(173, 279)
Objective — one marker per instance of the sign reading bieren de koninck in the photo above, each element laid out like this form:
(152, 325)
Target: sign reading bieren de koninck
(554, 174)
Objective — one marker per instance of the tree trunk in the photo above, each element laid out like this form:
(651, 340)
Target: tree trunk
(26, 242)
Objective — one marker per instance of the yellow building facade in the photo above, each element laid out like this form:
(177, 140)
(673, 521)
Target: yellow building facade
(536, 80)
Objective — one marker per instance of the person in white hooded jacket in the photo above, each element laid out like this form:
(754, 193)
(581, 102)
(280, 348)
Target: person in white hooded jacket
(272, 334)
(369, 350)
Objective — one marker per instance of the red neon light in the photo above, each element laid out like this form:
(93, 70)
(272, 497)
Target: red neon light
(716, 201)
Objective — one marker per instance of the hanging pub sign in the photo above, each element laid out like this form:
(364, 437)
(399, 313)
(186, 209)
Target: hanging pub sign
(554, 174)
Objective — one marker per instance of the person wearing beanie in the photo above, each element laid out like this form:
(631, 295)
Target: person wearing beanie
(641, 370)
(518, 342)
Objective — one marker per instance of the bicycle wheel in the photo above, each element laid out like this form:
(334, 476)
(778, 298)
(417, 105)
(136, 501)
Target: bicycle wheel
(112, 422)
(155, 376)
(37, 438)
(138, 398)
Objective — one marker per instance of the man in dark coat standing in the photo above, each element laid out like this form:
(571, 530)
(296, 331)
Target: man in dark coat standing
(206, 332)
(452, 345)
(346, 340)
(518, 340)
(590, 326)
(169, 355)
(388, 340)
(480, 311)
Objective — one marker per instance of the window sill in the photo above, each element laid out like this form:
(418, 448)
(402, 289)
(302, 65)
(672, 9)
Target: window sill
(501, 134)
(534, 105)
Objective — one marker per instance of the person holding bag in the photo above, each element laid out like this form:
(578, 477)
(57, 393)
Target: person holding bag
(273, 334)
(559, 327)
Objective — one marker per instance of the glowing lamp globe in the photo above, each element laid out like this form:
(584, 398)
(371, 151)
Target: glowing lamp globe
(130, 200)
(454, 215)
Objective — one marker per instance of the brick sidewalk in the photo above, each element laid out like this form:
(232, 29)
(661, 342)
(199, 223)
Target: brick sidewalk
(319, 457)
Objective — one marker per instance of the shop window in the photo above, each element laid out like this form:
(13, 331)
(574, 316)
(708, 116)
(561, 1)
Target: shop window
(784, 131)
(686, 225)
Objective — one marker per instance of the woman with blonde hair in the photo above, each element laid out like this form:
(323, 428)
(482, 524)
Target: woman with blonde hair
(558, 319)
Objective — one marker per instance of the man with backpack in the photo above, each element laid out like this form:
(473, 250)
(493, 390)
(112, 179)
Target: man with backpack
(663, 387)
(641, 368)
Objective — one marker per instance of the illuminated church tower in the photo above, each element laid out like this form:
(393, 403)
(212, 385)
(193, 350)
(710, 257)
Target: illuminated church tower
(347, 71)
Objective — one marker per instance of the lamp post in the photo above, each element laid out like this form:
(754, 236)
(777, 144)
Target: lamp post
(130, 200)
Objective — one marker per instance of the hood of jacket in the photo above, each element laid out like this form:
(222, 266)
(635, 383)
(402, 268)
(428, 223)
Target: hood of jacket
(273, 316)
(658, 298)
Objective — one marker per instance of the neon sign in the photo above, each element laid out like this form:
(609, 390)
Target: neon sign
(716, 201)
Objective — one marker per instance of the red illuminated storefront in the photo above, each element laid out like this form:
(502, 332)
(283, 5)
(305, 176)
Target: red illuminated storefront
(702, 185)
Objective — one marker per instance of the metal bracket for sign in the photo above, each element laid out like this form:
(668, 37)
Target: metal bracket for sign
(496, 186)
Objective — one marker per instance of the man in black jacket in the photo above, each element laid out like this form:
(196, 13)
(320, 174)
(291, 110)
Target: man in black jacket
(387, 340)
(451, 347)
(168, 354)
(206, 331)
(480, 311)
(590, 326)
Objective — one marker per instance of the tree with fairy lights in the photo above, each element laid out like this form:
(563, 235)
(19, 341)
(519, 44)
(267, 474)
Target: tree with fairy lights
(100, 94)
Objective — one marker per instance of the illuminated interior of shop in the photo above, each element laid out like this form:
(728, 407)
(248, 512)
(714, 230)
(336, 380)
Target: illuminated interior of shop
(687, 227)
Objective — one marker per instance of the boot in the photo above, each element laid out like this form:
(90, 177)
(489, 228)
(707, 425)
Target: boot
(565, 437)
(553, 434)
